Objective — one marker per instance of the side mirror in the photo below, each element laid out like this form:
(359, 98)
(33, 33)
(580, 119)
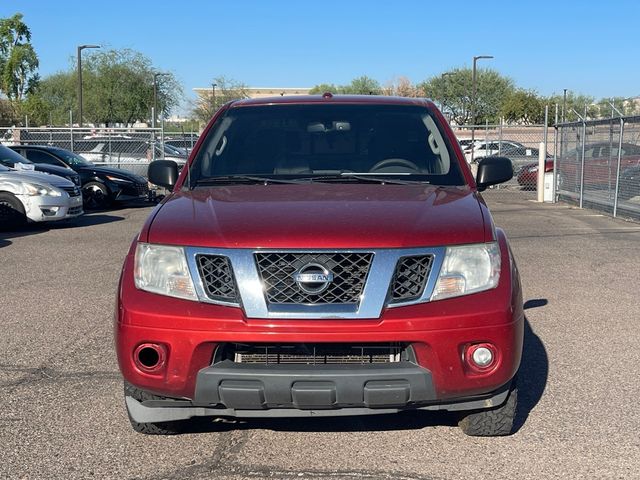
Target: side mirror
(163, 173)
(493, 170)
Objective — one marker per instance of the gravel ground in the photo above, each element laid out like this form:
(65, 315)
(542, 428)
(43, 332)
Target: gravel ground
(63, 414)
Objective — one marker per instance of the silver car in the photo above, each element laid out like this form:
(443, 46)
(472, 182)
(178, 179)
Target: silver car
(27, 195)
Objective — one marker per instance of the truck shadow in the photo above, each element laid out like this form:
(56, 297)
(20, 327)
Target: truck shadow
(532, 381)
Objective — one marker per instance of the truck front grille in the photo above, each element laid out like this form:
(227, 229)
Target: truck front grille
(217, 277)
(349, 273)
(410, 278)
(314, 354)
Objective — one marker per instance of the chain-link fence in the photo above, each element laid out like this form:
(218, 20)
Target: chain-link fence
(520, 143)
(126, 148)
(598, 165)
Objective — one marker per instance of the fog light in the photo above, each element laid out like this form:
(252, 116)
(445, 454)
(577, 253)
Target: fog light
(149, 357)
(482, 356)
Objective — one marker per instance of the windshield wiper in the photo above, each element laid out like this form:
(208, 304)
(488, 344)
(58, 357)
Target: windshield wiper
(244, 179)
(366, 178)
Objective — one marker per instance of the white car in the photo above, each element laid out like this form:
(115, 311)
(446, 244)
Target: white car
(27, 195)
(482, 148)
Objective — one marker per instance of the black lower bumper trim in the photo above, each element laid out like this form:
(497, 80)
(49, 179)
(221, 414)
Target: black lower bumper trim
(255, 387)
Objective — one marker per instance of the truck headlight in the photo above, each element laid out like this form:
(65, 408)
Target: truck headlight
(163, 269)
(34, 189)
(468, 269)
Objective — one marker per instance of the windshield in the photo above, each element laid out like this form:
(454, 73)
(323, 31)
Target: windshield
(73, 159)
(9, 158)
(319, 141)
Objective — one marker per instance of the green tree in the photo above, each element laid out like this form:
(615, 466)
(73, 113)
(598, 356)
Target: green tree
(626, 106)
(453, 91)
(362, 86)
(18, 59)
(226, 90)
(574, 103)
(523, 106)
(117, 89)
(323, 88)
(359, 86)
(51, 102)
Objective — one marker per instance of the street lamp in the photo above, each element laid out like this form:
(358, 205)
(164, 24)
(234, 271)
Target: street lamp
(213, 88)
(473, 100)
(155, 96)
(80, 48)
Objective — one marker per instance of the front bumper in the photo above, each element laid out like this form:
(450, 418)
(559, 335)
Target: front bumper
(129, 191)
(48, 208)
(438, 332)
(300, 392)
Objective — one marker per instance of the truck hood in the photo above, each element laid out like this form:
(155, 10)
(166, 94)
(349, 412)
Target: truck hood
(320, 216)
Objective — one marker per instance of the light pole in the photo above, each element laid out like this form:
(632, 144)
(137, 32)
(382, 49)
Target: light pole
(564, 103)
(213, 88)
(155, 96)
(80, 48)
(473, 101)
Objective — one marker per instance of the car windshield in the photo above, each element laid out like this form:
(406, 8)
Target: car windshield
(321, 142)
(73, 159)
(9, 158)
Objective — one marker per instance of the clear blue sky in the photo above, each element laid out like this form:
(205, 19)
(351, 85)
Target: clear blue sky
(587, 47)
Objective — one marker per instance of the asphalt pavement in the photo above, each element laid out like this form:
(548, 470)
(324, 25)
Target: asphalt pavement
(61, 404)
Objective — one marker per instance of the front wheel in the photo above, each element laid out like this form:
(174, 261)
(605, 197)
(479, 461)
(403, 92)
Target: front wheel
(492, 422)
(12, 213)
(159, 428)
(95, 196)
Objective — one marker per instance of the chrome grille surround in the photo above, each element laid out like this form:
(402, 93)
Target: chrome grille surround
(375, 295)
(349, 274)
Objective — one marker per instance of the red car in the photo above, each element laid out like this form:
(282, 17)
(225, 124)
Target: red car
(600, 166)
(321, 255)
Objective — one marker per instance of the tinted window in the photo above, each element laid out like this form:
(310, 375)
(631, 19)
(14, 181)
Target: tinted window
(8, 157)
(38, 156)
(322, 139)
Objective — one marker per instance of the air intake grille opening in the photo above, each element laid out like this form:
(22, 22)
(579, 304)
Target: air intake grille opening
(315, 354)
(410, 278)
(349, 273)
(217, 278)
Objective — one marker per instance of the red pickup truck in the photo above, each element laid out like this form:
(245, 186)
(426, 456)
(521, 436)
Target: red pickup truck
(321, 255)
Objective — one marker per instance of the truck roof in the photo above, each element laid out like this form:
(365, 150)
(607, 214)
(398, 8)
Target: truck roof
(333, 98)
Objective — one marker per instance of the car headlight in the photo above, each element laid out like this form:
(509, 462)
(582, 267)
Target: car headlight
(163, 269)
(468, 269)
(117, 179)
(34, 189)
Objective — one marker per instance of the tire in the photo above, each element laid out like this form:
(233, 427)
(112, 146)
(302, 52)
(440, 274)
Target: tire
(493, 422)
(160, 428)
(95, 196)
(12, 213)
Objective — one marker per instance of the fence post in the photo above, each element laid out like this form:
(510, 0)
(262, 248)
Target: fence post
(554, 199)
(71, 128)
(615, 195)
(584, 140)
(500, 137)
(162, 135)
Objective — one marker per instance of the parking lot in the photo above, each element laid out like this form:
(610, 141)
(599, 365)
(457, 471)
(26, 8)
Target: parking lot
(63, 414)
